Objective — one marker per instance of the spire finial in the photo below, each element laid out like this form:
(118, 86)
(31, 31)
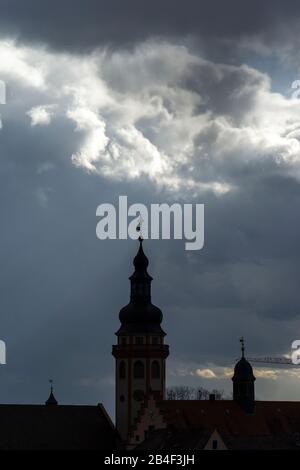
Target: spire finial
(139, 229)
(242, 341)
(51, 400)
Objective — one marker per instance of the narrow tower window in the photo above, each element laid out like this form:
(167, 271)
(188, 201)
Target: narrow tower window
(122, 370)
(138, 370)
(155, 370)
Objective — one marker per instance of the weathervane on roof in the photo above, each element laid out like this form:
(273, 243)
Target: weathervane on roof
(242, 341)
(139, 228)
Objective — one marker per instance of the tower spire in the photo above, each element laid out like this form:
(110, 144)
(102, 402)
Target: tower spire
(51, 400)
(140, 280)
(140, 316)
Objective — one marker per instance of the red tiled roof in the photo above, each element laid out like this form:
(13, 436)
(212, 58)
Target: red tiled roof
(269, 418)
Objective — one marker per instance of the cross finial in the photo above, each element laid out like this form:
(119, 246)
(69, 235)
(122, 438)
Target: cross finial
(139, 228)
(242, 341)
(51, 385)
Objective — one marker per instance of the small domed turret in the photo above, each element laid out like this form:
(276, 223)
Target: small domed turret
(243, 370)
(243, 382)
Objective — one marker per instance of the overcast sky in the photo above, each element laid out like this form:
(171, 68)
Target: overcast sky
(162, 102)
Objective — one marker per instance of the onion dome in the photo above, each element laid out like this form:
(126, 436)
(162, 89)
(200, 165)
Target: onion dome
(243, 370)
(140, 315)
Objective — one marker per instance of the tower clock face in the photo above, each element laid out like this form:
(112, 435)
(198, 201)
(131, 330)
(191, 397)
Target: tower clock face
(138, 395)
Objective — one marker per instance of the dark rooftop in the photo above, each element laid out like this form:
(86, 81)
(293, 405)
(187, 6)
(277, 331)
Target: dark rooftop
(38, 427)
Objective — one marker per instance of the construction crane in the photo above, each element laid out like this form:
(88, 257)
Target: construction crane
(285, 361)
(272, 360)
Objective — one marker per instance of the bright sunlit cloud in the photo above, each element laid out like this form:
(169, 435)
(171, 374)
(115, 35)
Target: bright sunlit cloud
(136, 117)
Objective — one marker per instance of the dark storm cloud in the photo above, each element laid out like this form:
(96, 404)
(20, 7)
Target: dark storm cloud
(61, 288)
(78, 24)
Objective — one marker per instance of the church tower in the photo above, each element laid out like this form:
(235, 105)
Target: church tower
(140, 353)
(243, 383)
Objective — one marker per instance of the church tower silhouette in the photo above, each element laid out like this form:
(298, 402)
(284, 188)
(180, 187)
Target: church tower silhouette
(140, 353)
(243, 382)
